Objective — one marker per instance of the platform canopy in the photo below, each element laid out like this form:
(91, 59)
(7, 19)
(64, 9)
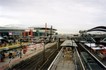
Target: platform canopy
(68, 43)
(99, 28)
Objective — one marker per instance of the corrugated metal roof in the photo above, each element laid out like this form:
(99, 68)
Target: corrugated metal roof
(11, 28)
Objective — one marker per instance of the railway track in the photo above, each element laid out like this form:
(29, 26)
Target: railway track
(89, 60)
(37, 62)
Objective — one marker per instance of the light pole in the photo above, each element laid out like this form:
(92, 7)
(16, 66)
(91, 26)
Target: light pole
(43, 50)
(44, 41)
(57, 43)
(51, 34)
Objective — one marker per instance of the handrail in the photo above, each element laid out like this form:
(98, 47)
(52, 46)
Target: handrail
(54, 60)
(94, 56)
(80, 59)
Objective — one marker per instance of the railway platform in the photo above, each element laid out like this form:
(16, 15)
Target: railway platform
(63, 61)
(65, 58)
(68, 58)
(66, 62)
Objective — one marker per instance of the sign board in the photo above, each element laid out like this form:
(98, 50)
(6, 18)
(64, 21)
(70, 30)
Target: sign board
(10, 33)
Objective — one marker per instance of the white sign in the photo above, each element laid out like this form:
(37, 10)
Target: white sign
(10, 33)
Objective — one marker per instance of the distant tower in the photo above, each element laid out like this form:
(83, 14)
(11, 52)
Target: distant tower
(45, 29)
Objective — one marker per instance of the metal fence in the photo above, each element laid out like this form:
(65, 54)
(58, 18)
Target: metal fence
(53, 65)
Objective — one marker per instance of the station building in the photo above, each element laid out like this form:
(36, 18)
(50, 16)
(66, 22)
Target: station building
(17, 32)
(39, 31)
(11, 32)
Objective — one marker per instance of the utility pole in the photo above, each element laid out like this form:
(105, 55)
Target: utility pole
(43, 51)
(44, 41)
(51, 33)
(57, 43)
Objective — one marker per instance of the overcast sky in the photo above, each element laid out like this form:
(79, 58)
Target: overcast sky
(67, 16)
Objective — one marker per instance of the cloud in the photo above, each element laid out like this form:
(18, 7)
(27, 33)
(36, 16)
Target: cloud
(6, 21)
(67, 16)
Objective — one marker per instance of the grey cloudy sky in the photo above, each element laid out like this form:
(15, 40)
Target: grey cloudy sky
(67, 16)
